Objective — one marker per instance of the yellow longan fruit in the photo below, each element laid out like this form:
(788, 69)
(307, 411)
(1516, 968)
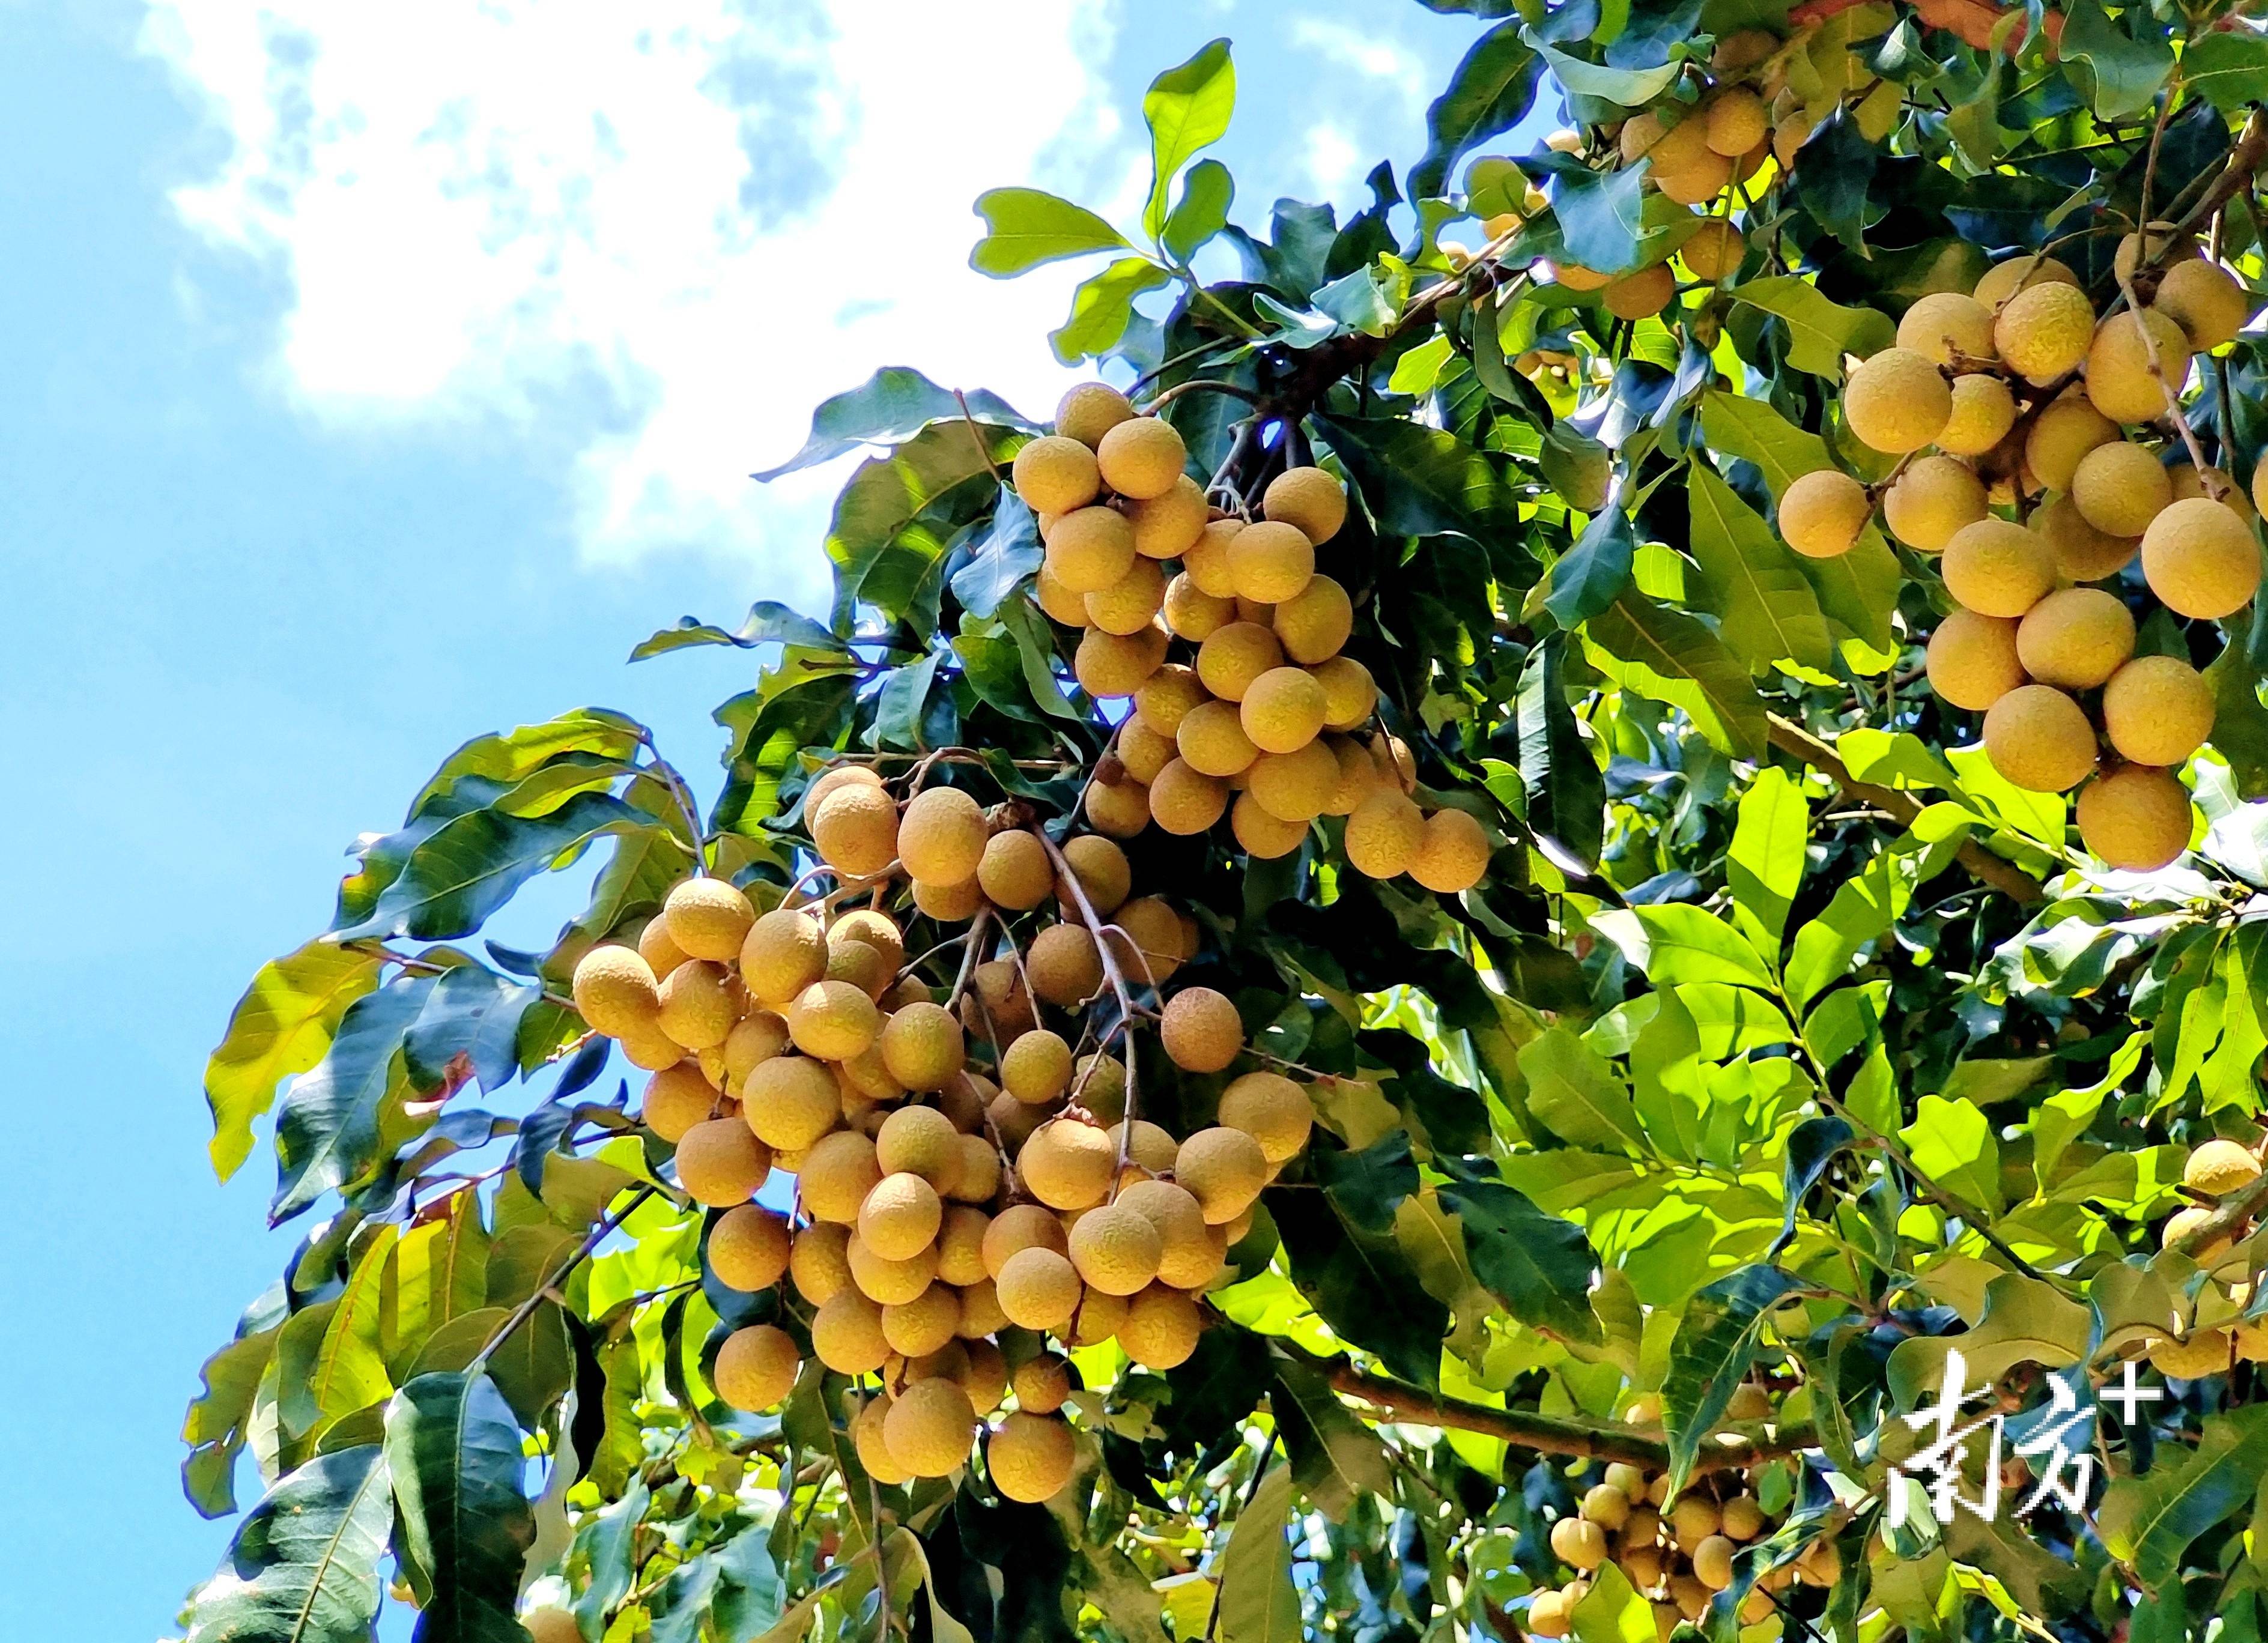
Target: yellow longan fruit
(1090, 410)
(2082, 553)
(2199, 1354)
(784, 952)
(1822, 512)
(981, 1316)
(2210, 307)
(1141, 457)
(615, 991)
(925, 1325)
(1021, 1227)
(1161, 1328)
(1295, 787)
(1315, 622)
(1030, 1456)
(2042, 332)
(1714, 250)
(2200, 559)
(1192, 614)
(1606, 1506)
(1283, 710)
(1090, 549)
(1308, 499)
(1270, 562)
(873, 1451)
(757, 1368)
(1896, 402)
(1223, 1169)
(2135, 816)
(1014, 870)
(833, 1020)
(961, 1237)
(1935, 497)
(887, 1283)
(1167, 526)
(1201, 1031)
(1185, 801)
(2119, 487)
(836, 776)
(1643, 293)
(854, 830)
(1102, 869)
(1697, 183)
(719, 1162)
(1384, 833)
(1984, 411)
(661, 954)
(1036, 1068)
(2039, 739)
(1453, 855)
(870, 926)
(677, 1098)
(707, 918)
(1143, 752)
(818, 1263)
(1206, 562)
(1063, 965)
(1579, 1542)
(899, 1217)
(2187, 483)
(1260, 835)
(1972, 660)
(858, 965)
(1056, 599)
(1712, 1562)
(1127, 605)
(1042, 1383)
(748, 1248)
(1213, 742)
(2163, 244)
(1189, 1250)
(1549, 1614)
(920, 1141)
(1358, 777)
(1692, 1520)
(932, 1422)
(922, 1046)
(1997, 567)
(790, 1102)
(1735, 121)
(941, 836)
(1166, 697)
(2075, 639)
(1115, 1250)
(2003, 280)
(979, 1181)
(1096, 1319)
(1038, 1289)
(2157, 710)
(1820, 1564)
(651, 1048)
(1108, 665)
(1067, 1164)
(2119, 381)
(1576, 277)
(1054, 474)
(1120, 809)
(999, 1006)
(1150, 1148)
(754, 1039)
(2220, 1166)
(1236, 654)
(1272, 1110)
(1740, 1518)
(2060, 436)
(838, 1171)
(1948, 327)
(1350, 695)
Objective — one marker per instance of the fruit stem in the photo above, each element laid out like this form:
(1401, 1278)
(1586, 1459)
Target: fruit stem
(983, 450)
(582, 1251)
(693, 833)
(1116, 978)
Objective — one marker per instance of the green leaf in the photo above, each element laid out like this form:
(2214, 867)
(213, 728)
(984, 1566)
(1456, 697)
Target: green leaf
(282, 1025)
(1952, 1143)
(1491, 88)
(1559, 776)
(1612, 1610)
(1862, 911)
(2229, 68)
(326, 1133)
(888, 408)
(1335, 1459)
(219, 1417)
(1575, 1094)
(1753, 431)
(1686, 944)
(1187, 109)
(337, 1367)
(1709, 1356)
(898, 706)
(1631, 88)
(1763, 869)
(2025, 1320)
(465, 1524)
(1258, 1602)
(303, 1566)
(511, 758)
(1751, 581)
(474, 1013)
(1601, 216)
(1820, 331)
(1423, 481)
(947, 464)
(2126, 71)
(1202, 211)
(1035, 646)
(1009, 553)
(1593, 573)
(1102, 307)
(1361, 1284)
(1538, 1264)
(769, 623)
(1026, 227)
(1367, 1186)
(1672, 658)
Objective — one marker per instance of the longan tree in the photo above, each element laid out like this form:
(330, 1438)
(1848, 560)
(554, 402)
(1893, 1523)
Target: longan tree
(1550, 923)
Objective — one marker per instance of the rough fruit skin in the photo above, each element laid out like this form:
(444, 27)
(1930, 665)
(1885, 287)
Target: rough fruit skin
(1283, 710)
(2200, 559)
(925, 1325)
(1308, 499)
(757, 1368)
(2041, 333)
(1263, 836)
(1206, 563)
(922, 1046)
(899, 1216)
(941, 835)
(1639, 294)
(1944, 324)
(1042, 1383)
(2003, 280)
(1067, 1164)
(1972, 659)
(979, 1182)
(873, 1451)
(1898, 401)
(677, 1098)
(1213, 740)
(2136, 817)
(1161, 1328)
(1090, 410)
(2039, 739)
(2083, 554)
(1056, 600)
(785, 952)
(615, 991)
(1934, 498)
(1021, 1227)
(1357, 776)
(1383, 833)
(1065, 967)
(1184, 801)
(790, 1102)
(1036, 1068)
(2220, 1166)
(707, 918)
(1015, 871)
(1201, 1031)
(2119, 381)
(1270, 562)
(1224, 1169)
(2119, 487)
(2157, 710)
(1030, 1456)
(1984, 411)
(838, 1171)
(1167, 696)
(1193, 614)
(1127, 605)
(1038, 1289)
(833, 1020)
(1295, 787)
(1141, 457)
(1090, 549)
(1822, 513)
(856, 830)
(1453, 853)
(931, 1423)
(748, 1248)
(1115, 1249)
(818, 1263)
(1166, 525)
(2061, 435)
(1997, 567)
(1055, 474)
(884, 1282)
(1315, 622)
(2210, 307)
(920, 1141)
(1272, 1110)
(1236, 654)
(1713, 251)
(1102, 869)
(1112, 664)
(1188, 1252)
(719, 1162)
(2075, 638)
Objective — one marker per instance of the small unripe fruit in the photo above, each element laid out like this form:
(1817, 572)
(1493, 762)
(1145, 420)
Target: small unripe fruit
(1972, 659)
(1822, 512)
(1201, 1032)
(1224, 1169)
(2157, 710)
(615, 991)
(719, 1162)
(1692, 1520)
(2039, 739)
(748, 1249)
(1898, 401)
(1054, 474)
(1740, 1518)
(1998, 569)
(1141, 457)
(1307, 499)
(2135, 817)
(757, 1368)
(2075, 638)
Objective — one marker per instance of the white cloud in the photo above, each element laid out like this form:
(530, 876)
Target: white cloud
(661, 230)
(1332, 159)
(1364, 53)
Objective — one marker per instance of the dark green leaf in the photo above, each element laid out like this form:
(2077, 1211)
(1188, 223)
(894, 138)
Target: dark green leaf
(1365, 1187)
(2126, 71)
(1423, 481)
(465, 1523)
(1258, 1602)
(1588, 577)
(1539, 1266)
(326, 1133)
(1670, 657)
(303, 1568)
(1335, 1459)
(769, 622)
(1362, 1285)
(1709, 1357)
(888, 408)
(472, 1012)
(2229, 67)
(473, 863)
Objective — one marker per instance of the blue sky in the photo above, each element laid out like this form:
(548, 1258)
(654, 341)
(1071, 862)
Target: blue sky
(372, 382)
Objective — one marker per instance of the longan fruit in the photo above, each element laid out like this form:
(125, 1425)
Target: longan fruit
(1030, 1456)
(757, 1368)
(2199, 1354)
(1714, 250)
(920, 1141)
(819, 1265)
(1120, 809)
(1235, 655)
(1898, 401)
(1349, 695)
(1735, 121)
(615, 992)
(2136, 817)
(1261, 836)
(1206, 562)
(1641, 295)
(932, 1422)
(2119, 381)
(899, 1217)
(1295, 787)
(1090, 410)
(834, 1020)
(1579, 1542)
(1038, 1289)
(979, 1181)
(2039, 739)
(719, 1162)
(1308, 499)
(2041, 333)
(1945, 324)
(1822, 512)
(858, 965)
(707, 918)
(1692, 1519)
(1014, 871)
(547, 1622)
(1067, 1164)
(2200, 559)
(1997, 567)
(1111, 665)
(922, 1046)
(1712, 1562)
(1972, 660)
(1141, 457)
(1315, 622)
(748, 1248)
(1453, 855)
(1167, 526)
(998, 1004)
(2060, 436)
(1283, 710)
(1740, 1518)
(1054, 474)
(1549, 1614)
(1100, 868)
(2075, 638)
(2220, 1166)
(1934, 498)
(887, 1283)
(2082, 553)
(677, 1098)
(1036, 1068)
(2003, 280)
(1128, 605)
(1021, 1227)
(1161, 1328)
(960, 1239)
(2157, 710)
(1063, 965)
(1056, 599)
(2187, 483)
(1096, 1319)
(873, 1452)
(1192, 614)
(661, 954)
(754, 1039)
(1090, 549)
(1606, 1506)
(1184, 801)
(1272, 1110)
(784, 952)
(925, 1325)
(838, 1171)
(1166, 697)
(1984, 411)
(941, 836)
(2119, 487)
(981, 1316)
(835, 776)
(1154, 932)
(1042, 1383)
(2210, 307)
(1213, 742)
(856, 830)
(1115, 1250)
(1224, 1169)
(1270, 562)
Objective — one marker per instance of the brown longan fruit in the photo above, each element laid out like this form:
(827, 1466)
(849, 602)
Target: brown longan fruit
(1054, 474)
(1295, 787)
(1038, 1289)
(1201, 1032)
(1283, 710)
(1822, 512)
(1235, 655)
(2157, 710)
(748, 1248)
(1270, 562)
(615, 991)
(2075, 638)
(1111, 665)
(1036, 1068)
(1897, 402)
(757, 1368)
(1090, 549)
(1169, 525)
(1090, 410)
(1021, 1227)
(1714, 250)
(1030, 1456)
(719, 1162)
(1155, 934)
(2039, 739)
(998, 1005)
(1453, 853)
(1120, 809)
(922, 1046)
(838, 1171)
(1997, 567)
(2201, 559)
(856, 830)
(1972, 661)
(1065, 967)
(1101, 869)
(941, 836)
(1067, 1164)
(784, 952)
(1161, 1328)
(1129, 604)
(2136, 817)
(677, 1098)
(1141, 457)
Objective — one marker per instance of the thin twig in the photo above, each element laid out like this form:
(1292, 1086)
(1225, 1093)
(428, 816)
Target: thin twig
(977, 433)
(1116, 978)
(526, 1309)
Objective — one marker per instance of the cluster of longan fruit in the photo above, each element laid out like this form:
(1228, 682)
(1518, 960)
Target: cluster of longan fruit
(1241, 704)
(1677, 1554)
(2219, 1334)
(2016, 399)
(936, 1207)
